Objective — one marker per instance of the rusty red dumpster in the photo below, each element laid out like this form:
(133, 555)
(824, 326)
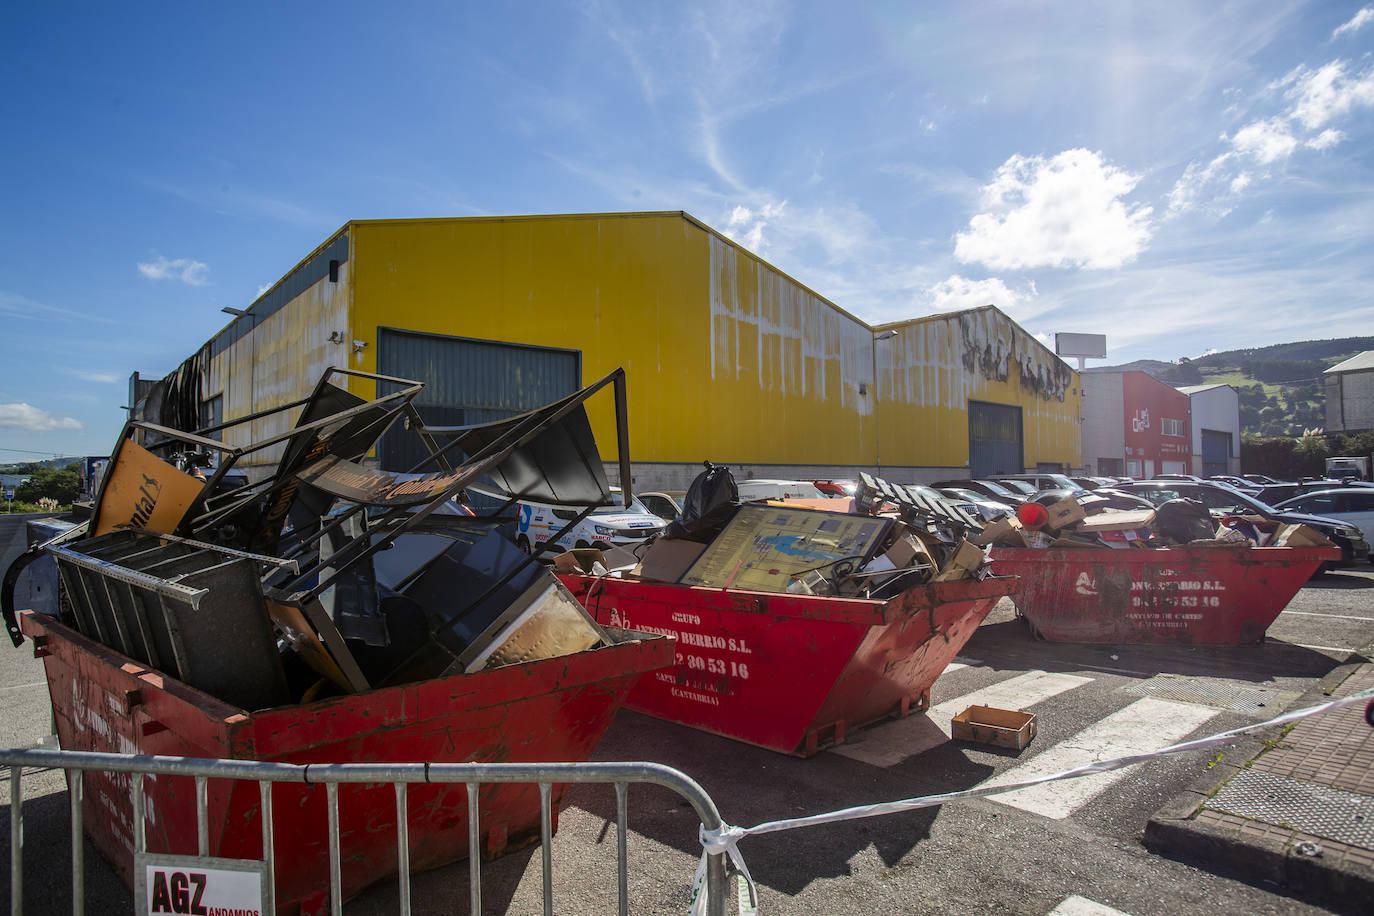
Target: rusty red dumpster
(792, 673)
(551, 710)
(1221, 596)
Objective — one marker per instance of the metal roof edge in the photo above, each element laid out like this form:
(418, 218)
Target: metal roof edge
(944, 316)
(1357, 363)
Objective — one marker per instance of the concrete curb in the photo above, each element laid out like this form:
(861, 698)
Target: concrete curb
(1173, 830)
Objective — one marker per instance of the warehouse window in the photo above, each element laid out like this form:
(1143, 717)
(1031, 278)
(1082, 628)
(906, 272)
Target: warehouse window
(1172, 427)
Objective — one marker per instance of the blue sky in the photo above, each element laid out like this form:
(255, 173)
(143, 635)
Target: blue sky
(1179, 176)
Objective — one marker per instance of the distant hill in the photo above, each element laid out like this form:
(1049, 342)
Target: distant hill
(28, 467)
(1281, 387)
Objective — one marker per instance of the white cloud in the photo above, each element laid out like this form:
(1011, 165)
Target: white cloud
(1325, 140)
(1188, 190)
(26, 416)
(16, 307)
(956, 293)
(1061, 212)
(1360, 19)
(1323, 95)
(1316, 97)
(192, 273)
(103, 378)
(746, 225)
(1265, 141)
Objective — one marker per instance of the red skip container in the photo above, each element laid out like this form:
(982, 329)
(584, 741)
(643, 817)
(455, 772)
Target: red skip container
(554, 710)
(792, 673)
(1219, 596)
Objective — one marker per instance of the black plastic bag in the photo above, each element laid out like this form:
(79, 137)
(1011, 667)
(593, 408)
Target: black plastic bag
(711, 501)
(1184, 520)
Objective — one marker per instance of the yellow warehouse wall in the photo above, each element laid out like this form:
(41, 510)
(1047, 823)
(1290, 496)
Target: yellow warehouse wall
(279, 361)
(934, 366)
(725, 358)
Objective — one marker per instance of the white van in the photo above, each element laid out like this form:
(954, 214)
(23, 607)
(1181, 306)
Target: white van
(760, 488)
(607, 526)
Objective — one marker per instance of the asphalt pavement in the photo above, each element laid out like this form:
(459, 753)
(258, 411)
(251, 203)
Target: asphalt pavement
(1077, 851)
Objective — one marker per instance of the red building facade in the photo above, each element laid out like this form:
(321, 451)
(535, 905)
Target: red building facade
(1156, 426)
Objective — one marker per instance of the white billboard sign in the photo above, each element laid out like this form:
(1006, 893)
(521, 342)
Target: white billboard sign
(1085, 345)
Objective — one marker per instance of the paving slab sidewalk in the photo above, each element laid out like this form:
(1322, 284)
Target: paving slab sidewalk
(1293, 808)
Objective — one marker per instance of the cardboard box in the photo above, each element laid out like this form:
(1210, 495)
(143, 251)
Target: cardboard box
(990, 725)
(1006, 531)
(668, 559)
(1127, 520)
(967, 560)
(1064, 513)
(908, 549)
(578, 561)
(1299, 536)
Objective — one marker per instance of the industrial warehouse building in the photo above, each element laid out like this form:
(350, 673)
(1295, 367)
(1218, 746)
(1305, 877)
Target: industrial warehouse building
(1350, 394)
(1134, 425)
(727, 359)
(1215, 414)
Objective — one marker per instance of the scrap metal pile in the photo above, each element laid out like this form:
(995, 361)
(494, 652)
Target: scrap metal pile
(883, 541)
(327, 575)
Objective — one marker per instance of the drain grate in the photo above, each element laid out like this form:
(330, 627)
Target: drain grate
(1346, 817)
(1218, 692)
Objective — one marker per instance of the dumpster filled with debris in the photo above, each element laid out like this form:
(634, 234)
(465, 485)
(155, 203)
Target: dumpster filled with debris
(1171, 574)
(796, 625)
(331, 612)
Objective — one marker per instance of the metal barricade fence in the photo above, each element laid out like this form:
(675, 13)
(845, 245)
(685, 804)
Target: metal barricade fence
(400, 775)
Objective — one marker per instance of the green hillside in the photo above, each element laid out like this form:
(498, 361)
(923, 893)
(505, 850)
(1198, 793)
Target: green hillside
(1281, 387)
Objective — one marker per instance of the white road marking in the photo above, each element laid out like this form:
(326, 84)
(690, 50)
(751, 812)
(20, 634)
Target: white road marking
(1146, 725)
(889, 744)
(1301, 645)
(23, 686)
(1337, 616)
(1082, 906)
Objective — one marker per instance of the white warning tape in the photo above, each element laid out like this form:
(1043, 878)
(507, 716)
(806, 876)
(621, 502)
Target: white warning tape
(726, 839)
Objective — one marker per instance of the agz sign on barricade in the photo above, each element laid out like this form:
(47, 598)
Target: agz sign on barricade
(199, 886)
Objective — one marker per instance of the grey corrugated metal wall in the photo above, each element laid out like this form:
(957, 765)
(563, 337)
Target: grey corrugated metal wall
(469, 381)
(995, 439)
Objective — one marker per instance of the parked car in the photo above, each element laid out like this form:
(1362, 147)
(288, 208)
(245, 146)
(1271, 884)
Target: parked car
(607, 526)
(1273, 494)
(1115, 499)
(1045, 481)
(1092, 483)
(762, 488)
(1240, 483)
(1022, 487)
(931, 493)
(837, 487)
(1352, 505)
(1260, 479)
(990, 489)
(989, 509)
(1193, 478)
(1222, 501)
(666, 504)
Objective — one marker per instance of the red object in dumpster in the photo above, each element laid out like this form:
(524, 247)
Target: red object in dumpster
(554, 710)
(791, 673)
(1219, 596)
